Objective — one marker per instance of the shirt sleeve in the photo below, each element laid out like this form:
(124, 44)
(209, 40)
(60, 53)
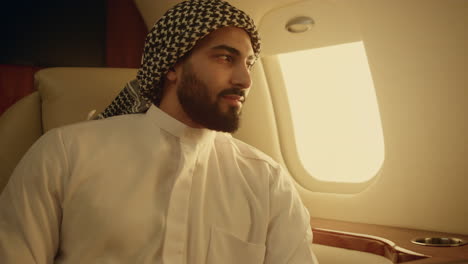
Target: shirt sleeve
(30, 204)
(289, 235)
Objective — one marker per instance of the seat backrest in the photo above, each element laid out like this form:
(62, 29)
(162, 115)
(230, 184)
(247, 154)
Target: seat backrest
(64, 96)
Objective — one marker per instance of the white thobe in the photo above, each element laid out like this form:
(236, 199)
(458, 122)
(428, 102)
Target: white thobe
(146, 188)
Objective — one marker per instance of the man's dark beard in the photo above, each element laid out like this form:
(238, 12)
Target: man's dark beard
(196, 101)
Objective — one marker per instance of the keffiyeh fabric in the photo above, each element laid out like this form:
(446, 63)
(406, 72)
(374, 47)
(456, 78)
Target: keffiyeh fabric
(172, 37)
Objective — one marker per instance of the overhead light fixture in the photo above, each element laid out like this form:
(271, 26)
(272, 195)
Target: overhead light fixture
(300, 24)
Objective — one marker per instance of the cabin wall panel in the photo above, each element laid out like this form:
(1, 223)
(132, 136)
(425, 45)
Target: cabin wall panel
(417, 55)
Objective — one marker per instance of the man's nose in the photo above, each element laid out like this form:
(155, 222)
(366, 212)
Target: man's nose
(241, 77)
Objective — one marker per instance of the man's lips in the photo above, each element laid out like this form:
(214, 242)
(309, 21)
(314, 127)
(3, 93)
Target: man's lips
(235, 100)
(233, 96)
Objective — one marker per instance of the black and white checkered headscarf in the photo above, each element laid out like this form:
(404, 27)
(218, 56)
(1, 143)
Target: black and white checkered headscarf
(172, 37)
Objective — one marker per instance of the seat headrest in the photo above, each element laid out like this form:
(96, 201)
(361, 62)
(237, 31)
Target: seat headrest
(69, 94)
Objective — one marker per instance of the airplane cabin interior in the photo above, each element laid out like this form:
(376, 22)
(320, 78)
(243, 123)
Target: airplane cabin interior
(362, 101)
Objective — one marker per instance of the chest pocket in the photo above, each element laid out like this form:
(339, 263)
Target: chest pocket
(228, 249)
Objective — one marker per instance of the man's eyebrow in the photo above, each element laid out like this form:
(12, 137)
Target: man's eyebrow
(231, 50)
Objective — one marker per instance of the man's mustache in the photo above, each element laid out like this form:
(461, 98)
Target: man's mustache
(231, 91)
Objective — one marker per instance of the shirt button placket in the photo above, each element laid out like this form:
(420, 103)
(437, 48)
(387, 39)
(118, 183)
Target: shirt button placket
(177, 217)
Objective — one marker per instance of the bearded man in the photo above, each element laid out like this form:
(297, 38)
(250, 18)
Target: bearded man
(156, 179)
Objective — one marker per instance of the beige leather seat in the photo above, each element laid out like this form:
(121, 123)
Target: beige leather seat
(63, 96)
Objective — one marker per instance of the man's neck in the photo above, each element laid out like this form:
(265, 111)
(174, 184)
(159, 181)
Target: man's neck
(171, 105)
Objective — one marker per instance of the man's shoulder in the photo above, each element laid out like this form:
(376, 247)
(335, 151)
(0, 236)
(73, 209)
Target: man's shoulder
(103, 124)
(245, 150)
(95, 129)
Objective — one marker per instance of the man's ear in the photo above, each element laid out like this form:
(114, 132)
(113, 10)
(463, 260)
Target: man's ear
(171, 75)
(174, 72)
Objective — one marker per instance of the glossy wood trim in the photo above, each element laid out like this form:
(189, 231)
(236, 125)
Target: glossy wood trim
(125, 34)
(363, 244)
(391, 242)
(16, 81)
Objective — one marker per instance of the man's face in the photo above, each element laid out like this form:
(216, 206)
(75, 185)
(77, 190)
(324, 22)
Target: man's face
(215, 79)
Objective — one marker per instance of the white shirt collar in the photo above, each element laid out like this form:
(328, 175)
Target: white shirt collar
(179, 129)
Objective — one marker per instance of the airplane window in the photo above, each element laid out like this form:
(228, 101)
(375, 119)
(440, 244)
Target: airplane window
(334, 111)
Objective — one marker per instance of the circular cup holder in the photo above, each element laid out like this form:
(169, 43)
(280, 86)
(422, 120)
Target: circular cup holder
(440, 241)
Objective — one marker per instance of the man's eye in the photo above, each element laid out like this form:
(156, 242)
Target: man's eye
(227, 58)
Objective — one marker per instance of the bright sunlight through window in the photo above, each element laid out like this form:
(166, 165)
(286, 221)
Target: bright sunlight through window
(334, 112)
